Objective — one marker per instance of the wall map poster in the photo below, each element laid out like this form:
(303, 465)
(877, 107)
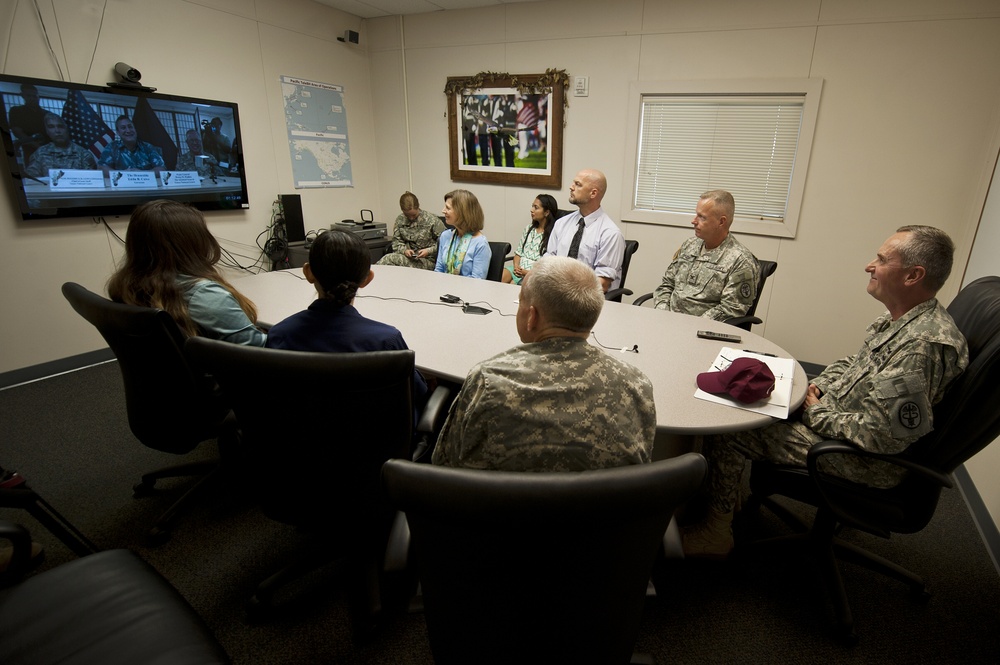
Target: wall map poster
(317, 133)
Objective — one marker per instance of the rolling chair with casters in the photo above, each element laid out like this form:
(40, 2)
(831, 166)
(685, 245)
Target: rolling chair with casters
(319, 446)
(500, 250)
(767, 269)
(520, 567)
(965, 421)
(15, 493)
(631, 247)
(110, 608)
(171, 408)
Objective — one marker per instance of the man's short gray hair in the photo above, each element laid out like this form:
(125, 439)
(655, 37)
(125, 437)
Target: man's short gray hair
(928, 247)
(566, 291)
(723, 200)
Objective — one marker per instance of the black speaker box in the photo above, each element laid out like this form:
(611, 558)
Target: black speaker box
(291, 206)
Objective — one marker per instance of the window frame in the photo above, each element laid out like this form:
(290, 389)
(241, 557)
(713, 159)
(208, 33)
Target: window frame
(809, 88)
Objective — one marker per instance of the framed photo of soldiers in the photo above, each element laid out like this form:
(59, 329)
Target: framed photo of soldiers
(507, 129)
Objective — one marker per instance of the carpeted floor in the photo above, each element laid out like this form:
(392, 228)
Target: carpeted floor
(69, 436)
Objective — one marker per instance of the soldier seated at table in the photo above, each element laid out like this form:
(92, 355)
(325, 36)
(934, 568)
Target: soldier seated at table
(59, 152)
(206, 166)
(556, 402)
(879, 399)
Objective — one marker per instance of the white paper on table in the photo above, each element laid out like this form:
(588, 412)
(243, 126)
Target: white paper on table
(776, 405)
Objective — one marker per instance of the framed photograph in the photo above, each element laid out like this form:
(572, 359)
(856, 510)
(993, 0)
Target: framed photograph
(506, 129)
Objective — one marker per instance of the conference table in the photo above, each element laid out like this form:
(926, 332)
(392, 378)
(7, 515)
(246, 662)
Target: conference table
(448, 341)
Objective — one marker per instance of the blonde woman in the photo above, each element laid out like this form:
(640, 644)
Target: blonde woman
(463, 249)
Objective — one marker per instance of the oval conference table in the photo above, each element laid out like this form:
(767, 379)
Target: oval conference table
(448, 341)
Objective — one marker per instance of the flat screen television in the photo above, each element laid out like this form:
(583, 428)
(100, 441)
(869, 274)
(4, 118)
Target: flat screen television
(75, 150)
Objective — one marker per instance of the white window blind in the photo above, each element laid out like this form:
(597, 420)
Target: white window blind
(745, 144)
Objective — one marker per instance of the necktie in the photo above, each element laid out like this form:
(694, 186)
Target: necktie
(574, 247)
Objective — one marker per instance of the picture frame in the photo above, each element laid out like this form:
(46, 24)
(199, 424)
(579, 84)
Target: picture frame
(514, 121)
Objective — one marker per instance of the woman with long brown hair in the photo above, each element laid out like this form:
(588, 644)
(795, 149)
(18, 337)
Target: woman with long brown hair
(534, 240)
(170, 263)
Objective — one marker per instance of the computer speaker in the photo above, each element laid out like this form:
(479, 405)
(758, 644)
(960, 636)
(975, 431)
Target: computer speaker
(291, 209)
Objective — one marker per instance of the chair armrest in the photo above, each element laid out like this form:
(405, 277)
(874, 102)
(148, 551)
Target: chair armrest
(613, 294)
(643, 298)
(435, 410)
(740, 321)
(431, 421)
(812, 370)
(837, 447)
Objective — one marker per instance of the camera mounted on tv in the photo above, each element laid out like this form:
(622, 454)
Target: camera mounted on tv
(129, 78)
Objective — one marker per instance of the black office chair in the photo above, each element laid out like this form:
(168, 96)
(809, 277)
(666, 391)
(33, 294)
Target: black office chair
(315, 430)
(171, 408)
(110, 608)
(767, 269)
(500, 250)
(615, 294)
(537, 567)
(965, 421)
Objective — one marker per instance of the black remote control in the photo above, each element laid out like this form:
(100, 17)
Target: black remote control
(722, 337)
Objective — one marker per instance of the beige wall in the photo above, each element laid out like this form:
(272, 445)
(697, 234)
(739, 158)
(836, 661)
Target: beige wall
(234, 50)
(908, 106)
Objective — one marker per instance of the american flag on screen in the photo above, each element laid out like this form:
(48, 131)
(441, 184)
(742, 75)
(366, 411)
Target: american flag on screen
(86, 128)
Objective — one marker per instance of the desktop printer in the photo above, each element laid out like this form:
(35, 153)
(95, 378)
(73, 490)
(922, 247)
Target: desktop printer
(366, 229)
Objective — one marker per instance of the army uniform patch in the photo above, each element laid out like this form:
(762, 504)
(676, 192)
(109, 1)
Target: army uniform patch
(745, 290)
(906, 405)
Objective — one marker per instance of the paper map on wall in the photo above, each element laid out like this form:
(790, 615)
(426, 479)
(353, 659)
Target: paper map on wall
(317, 133)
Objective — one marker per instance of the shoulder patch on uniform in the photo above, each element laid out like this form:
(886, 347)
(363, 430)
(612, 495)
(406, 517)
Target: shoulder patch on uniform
(745, 289)
(905, 405)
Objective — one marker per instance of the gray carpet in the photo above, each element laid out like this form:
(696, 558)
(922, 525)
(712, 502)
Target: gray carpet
(69, 436)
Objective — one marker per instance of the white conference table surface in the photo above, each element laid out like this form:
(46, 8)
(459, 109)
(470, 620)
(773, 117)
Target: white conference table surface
(448, 342)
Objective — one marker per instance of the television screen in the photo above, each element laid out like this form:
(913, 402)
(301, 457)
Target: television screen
(78, 150)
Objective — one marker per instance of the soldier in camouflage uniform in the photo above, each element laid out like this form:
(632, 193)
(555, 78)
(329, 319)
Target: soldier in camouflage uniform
(713, 274)
(186, 162)
(879, 399)
(415, 239)
(555, 403)
(60, 152)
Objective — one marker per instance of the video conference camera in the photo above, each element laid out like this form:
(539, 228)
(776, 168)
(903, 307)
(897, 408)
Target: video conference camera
(129, 78)
(128, 72)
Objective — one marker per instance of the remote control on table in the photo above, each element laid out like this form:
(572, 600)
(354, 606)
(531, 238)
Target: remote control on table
(722, 337)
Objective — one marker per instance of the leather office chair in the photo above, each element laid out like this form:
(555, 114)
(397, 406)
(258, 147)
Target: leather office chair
(767, 269)
(500, 251)
(965, 421)
(537, 567)
(110, 608)
(171, 408)
(615, 294)
(315, 430)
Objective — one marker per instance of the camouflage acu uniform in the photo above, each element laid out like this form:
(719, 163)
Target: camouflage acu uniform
(50, 156)
(718, 284)
(421, 233)
(555, 405)
(880, 399)
(186, 163)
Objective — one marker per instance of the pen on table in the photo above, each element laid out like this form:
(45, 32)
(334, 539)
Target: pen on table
(760, 353)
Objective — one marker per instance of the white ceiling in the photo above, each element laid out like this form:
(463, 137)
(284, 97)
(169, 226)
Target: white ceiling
(376, 8)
